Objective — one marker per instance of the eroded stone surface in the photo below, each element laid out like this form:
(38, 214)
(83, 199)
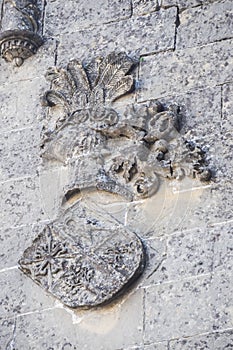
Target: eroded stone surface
(141, 7)
(216, 341)
(58, 328)
(20, 202)
(157, 31)
(19, 296)
(71, 17)
(227, 93)
(19, 153)
(187, 254)
(215, 20)
(186, 3)
(185, 304)
(184, 70)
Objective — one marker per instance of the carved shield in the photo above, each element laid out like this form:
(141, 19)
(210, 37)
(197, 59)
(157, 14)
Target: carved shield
(83, 261)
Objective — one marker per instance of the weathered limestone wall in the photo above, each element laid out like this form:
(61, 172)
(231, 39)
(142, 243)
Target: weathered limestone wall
(184, 298)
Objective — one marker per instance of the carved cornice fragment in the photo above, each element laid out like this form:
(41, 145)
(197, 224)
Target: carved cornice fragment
(20, 30)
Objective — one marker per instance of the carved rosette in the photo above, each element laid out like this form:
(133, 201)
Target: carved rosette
(84, 259)
(20, 30)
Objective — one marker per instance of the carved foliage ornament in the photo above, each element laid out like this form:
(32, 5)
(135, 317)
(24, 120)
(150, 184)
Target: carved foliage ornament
(79, 258)
(20, 30)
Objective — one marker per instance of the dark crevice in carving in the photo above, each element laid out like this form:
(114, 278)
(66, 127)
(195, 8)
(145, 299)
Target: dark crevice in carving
(177, 24)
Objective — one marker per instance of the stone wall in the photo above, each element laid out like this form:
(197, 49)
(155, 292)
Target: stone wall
(184, 298)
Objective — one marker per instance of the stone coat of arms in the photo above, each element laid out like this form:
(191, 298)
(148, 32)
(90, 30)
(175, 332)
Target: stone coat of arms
(83, 258)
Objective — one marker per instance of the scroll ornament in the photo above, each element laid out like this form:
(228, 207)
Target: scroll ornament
(81, 258)
(20, 30)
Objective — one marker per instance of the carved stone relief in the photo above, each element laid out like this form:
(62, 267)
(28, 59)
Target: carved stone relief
(20, 30)
(84, 260)
(81, 259)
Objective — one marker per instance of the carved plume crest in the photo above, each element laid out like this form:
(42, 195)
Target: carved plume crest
(128, 153)
(87, 91)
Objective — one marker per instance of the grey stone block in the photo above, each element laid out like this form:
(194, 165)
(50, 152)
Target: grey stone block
(141, 7)
(187, 254)
(200, 111)
(177, 309)
(157, 346)
(20, 103)
(154, 346)
(183, 70)
(223, 247)
(156, 252)
(185, 3)
(19, 295)
(107, 329)
(19, 153)
(20, 202)
(222, 299)
(145, 34)
(203, 25)
(14, 241)
(181, 208)
(87, 13)
(51, 329)
(227, 121)
(212, 341)
(7, 333)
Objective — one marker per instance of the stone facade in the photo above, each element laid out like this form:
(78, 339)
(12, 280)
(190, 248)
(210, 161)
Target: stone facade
(183, 299)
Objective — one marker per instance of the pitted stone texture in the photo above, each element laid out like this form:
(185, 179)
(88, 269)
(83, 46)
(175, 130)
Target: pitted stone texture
(19, 295)
(19, 153)
(186, 3)
(141, 7)
(157, 346)
(20, 202)
(20, 104)
(87, 13)
(187, 254)
(51, 329)
(223, 247)
(222, 299)
(156, 29)
(154, 346)
(227, 120)
(185, 305)
(184, 70)
(203, 25)
(111, 328)
(7, 327)
(213, 341)
(14, 241)
(222, 144)
(200, 112)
